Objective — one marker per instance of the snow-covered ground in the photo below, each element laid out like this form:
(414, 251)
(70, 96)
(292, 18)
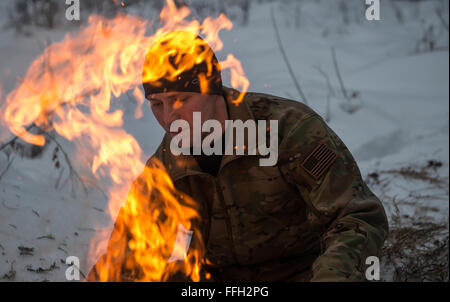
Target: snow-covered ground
(400, 125)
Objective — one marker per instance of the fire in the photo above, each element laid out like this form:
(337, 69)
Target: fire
(71, 87)
(144, 235)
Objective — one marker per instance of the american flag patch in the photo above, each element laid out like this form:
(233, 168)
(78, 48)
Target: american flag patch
(320, 159)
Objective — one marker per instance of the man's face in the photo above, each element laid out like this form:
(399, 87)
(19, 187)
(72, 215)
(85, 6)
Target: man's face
(170, 106)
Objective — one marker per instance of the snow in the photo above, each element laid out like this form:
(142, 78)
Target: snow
(402, 121)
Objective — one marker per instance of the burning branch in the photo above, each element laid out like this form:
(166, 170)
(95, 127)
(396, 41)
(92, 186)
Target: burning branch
(15, 137)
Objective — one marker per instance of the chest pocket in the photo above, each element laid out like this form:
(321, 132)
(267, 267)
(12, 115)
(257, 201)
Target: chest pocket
(261, 192)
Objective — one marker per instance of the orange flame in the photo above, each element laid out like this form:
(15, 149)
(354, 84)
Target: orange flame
(70, 88)
(144, 236)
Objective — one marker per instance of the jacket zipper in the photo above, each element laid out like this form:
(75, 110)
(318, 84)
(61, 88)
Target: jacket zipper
(227, 219)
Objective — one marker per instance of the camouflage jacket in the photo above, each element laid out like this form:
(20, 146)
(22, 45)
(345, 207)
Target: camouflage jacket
(309, 217)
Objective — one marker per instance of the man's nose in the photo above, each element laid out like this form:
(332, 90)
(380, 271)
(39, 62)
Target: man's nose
(170, 115)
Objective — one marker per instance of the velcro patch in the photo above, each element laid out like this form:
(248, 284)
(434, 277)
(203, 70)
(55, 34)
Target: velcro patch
(320, 159)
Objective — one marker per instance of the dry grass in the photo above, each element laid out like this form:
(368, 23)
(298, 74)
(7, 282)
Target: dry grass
(417, 248)
(418, 252)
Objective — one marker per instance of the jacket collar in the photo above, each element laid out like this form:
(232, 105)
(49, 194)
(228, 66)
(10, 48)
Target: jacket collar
(184, 165)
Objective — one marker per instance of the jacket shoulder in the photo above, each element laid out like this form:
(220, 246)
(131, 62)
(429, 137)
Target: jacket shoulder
(289, 113)
(160, 153)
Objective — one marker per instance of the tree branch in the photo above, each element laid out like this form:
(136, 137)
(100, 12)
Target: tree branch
(7, 168)
(33, 124)
(286, 60)
(336, 68)
(72, 172)
(441, 18)
(14, 138)
(327, 79)
(330, 92)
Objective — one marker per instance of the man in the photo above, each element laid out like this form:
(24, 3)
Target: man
(309, 217)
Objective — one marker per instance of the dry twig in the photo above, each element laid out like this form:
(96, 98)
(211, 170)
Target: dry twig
(286, 60)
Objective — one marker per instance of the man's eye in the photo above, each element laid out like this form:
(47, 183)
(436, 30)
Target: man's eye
(155, 103)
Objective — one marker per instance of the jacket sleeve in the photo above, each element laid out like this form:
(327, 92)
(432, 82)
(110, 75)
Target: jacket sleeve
(350, 219)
